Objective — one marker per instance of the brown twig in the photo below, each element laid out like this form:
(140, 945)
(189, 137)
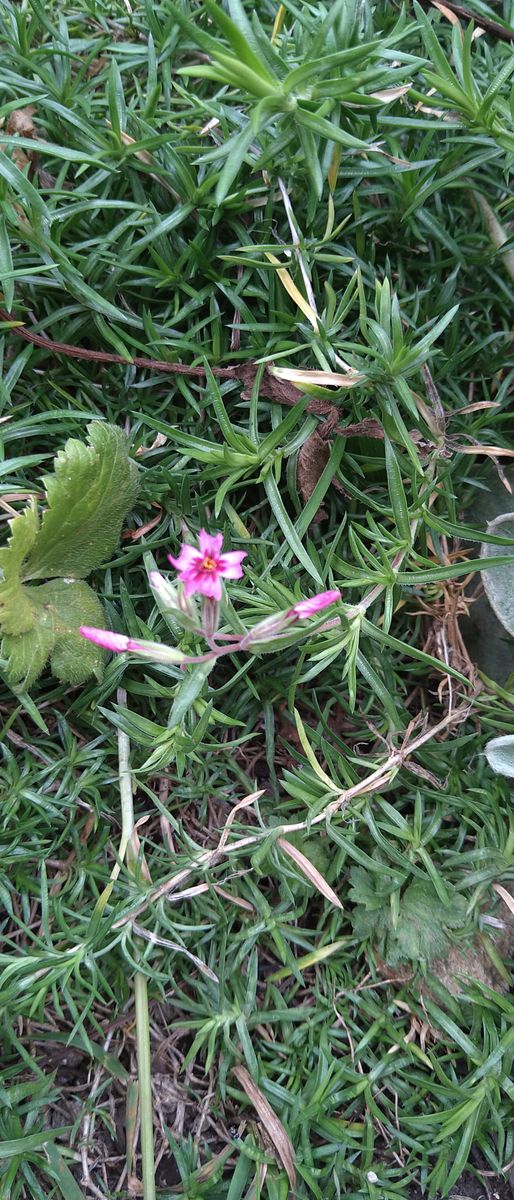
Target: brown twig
(104, 356)
(485, 23)
(280, 391)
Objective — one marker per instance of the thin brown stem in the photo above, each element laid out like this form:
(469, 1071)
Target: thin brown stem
(493, 27)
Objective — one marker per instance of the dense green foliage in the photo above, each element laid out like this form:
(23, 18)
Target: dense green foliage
(310, 187)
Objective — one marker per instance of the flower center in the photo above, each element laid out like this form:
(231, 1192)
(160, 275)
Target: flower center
(208, 563)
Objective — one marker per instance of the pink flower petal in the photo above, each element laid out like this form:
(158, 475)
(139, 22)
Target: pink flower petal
(307, 608)
(117, 642)
(190, 582)
(187, 557)
(209, 585)
(210, 544)
(230, 564)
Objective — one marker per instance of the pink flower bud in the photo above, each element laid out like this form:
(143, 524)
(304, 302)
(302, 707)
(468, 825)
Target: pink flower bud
(308, 608)
(117, 642)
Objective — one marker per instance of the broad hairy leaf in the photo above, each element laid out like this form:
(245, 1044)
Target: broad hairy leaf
(16, 608)
(27, 654)
(60, 607)
(421, 929)
(89, 493)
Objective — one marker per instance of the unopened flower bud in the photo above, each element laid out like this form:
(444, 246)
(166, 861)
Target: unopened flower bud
(267, 629)
(308, 608)
(156, 651)
(164, 589)
(210, 617)
(172, 598)
(118, 643)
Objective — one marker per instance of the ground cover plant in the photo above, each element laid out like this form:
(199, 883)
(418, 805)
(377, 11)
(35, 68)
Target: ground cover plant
(257, 283)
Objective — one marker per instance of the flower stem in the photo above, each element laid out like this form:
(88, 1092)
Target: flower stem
(140, 987)
(144, 1069)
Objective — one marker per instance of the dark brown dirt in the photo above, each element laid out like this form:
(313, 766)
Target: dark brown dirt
(472, 1187)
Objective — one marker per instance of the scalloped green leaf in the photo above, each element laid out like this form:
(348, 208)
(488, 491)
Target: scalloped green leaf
(27, 654)
(421, 929)
(60, 607)
(89, 493)
(16, 608)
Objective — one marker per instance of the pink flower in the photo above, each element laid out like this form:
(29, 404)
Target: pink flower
(202, 570)
(307, 608)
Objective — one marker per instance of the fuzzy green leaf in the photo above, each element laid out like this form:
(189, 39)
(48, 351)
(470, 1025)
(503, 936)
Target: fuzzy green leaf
(27, 654)
(367, 891)
(421, 930)
(59, 607)
(88, 495)
(91, 490)
(16, 609)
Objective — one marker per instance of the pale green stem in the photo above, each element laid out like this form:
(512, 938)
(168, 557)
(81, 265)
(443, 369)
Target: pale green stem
(144, 1069)
(140, 988)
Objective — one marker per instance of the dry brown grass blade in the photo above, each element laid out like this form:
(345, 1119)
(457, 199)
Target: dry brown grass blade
(447, 12)
(393, 93)
(489, 451)
(147, 159)
(313, 457)
(274, 1128)
(127, 140)
(491, 27)
(505, 895)
(244, 803)
(371, 783)
(149, 936)
(134, 534)
(288, 283)
(135, 849)
(498, 235)
(318, 378)
(311, 873)
(478, 406)
(237, 900)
